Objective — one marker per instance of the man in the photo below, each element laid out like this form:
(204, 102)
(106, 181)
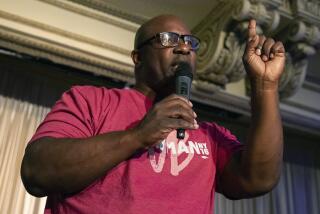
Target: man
(98, 149)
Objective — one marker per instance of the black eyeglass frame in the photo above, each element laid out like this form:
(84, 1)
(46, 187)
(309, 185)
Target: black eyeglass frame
(158, 35)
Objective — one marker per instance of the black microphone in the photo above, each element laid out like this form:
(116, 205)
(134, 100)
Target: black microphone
(183, 78)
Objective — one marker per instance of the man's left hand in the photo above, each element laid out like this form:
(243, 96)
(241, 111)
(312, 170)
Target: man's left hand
(264, 59)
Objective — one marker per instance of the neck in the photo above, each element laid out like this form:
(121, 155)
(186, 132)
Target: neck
(144, 89)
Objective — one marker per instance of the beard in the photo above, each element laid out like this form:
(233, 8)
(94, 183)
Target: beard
(165, 87)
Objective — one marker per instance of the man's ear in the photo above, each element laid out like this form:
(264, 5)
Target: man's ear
(135, 57)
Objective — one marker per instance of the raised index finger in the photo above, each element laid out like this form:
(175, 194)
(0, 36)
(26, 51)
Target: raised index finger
(252, 29)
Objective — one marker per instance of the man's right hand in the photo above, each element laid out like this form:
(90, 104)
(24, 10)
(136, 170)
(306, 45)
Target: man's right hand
(44, 164)
(171, 113)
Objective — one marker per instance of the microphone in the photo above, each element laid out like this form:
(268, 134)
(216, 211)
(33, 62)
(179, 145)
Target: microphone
(183, 77)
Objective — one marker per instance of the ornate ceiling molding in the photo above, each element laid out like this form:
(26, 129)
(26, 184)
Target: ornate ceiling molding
(307, 10)
(64, 33)
(103, 6)
(222, 35)
(219, 57)
(66, 55)
(91, 14)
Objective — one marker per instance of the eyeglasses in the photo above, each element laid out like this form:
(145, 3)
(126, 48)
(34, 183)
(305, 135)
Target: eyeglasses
(171, 39)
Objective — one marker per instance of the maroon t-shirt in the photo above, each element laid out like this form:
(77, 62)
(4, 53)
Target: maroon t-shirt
(177, 176)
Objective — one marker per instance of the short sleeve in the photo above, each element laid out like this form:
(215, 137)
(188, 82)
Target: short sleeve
(226, 145)
(73, 116)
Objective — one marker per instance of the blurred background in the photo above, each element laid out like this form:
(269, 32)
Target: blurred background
(46, 46)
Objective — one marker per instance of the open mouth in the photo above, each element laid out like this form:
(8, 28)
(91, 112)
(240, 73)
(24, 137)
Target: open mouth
(175, 66)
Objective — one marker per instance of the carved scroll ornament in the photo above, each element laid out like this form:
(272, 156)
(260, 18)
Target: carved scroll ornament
(223, 40)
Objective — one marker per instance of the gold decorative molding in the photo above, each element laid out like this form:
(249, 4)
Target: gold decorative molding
(90, 14)
(62, 54)
(60, 32)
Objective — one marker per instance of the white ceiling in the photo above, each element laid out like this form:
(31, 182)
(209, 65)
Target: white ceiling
(192, 12)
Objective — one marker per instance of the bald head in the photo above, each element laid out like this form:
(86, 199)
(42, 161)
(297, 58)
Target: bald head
(154, 26)
(155, 65)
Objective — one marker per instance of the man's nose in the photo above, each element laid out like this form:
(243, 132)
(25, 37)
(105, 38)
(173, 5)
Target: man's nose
(182, 48)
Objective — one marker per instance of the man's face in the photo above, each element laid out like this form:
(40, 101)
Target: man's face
(159, 63)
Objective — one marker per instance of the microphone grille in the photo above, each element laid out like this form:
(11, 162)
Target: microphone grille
(184, 69)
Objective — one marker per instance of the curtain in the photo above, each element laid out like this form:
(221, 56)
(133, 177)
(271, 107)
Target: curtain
(18, 121)
(297, 192)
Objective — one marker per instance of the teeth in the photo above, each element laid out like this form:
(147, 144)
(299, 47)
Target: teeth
(175, 66)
